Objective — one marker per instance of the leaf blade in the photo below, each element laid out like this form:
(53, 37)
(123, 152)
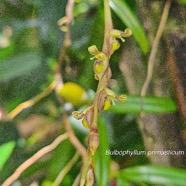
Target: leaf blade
(152, 174)
(102, 161)
(151, 104)
(19, 65)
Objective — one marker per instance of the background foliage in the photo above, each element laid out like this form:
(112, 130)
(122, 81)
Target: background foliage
(30, 43)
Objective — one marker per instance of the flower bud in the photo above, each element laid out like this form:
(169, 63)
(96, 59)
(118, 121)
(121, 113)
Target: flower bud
(87, 120)
(85, 123)
(107, 104)
(115, 45)
(90, 176)
(93, 142)
(98, 66)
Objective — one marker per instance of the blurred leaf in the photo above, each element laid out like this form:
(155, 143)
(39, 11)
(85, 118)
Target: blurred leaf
(19, 65)
(102, 160)
(122, 9)
(80, 33)
(80, 8)
(182, 1)
(151, 104)
(62, 155)
(121, 181)
(152, 174)
(46, 183)
(7, 52)
(6, 150)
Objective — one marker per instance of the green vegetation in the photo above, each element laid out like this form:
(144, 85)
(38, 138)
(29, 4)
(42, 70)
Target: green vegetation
(43, 48)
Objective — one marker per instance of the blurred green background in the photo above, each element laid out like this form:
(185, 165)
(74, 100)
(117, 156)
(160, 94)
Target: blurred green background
(30, 43)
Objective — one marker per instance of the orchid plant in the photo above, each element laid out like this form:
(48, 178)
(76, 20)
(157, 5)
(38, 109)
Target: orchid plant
(104, 96)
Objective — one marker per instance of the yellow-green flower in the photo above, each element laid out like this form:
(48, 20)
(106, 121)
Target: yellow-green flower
(115, 45)
(117, 34)
(98, 66)
(120, 34)
(86, 115)
(96, 53)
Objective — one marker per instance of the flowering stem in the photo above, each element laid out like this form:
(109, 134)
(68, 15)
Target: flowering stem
(108, 27)
(104, 96)
(103, 83)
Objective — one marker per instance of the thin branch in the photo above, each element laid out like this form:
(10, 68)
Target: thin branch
(69, 11)
(32, 101)
(72, 137)
(155, 45)
(34, 158)
(66, 169)
(66, 43)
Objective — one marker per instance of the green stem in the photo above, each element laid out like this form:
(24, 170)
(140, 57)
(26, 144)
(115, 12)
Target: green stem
(108, 27)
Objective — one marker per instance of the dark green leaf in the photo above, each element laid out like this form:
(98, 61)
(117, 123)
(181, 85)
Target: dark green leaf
(152, 174)
(122, 9)
(6, 150)
(19, 65)
(150, 104)
(102, 160)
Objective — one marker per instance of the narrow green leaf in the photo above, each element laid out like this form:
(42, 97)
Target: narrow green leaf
(102, 160)
(19, 65)
(122, 9)
(6, 150)
(150, 104)
(152, 174)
